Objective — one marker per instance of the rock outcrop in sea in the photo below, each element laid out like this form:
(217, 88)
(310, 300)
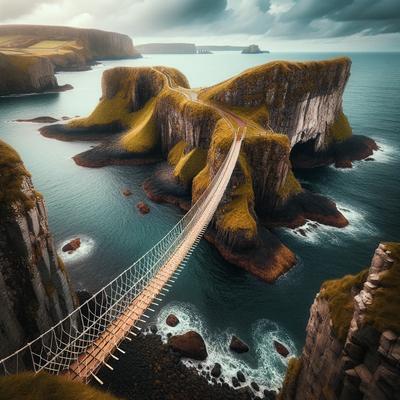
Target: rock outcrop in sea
(31, 54)
(35, 292)
(293, 116)
(352, 348)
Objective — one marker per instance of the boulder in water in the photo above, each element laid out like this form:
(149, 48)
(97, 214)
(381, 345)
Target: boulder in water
(238, 346)
(143, 207)
(190, 345)
(172, 320)
(281, 349)
(71, 246)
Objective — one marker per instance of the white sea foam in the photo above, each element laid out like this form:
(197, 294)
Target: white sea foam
(267, 368)
(316, 233)
(386, 153)
(86, 248)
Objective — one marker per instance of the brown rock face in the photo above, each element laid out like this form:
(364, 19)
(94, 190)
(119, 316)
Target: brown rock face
(190, 345)
(238, 346)
(143, 208)
(363, 362)
(73, 245)
(172, 320)
(34, 287)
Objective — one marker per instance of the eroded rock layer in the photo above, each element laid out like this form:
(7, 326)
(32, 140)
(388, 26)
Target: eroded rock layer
(34, 289)
(150, 113)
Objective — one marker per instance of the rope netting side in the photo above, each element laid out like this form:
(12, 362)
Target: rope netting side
(55, 350)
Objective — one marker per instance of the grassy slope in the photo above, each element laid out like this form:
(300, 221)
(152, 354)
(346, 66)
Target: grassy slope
(29, 386)
(143, 136)
(190, 165)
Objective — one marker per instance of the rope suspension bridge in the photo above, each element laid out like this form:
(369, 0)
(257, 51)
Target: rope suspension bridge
(80, 344)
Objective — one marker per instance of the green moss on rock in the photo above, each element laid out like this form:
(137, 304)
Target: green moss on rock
(177, 152)
(289, 384)
(190, 165)
(340, 297)
(384, 311)
(340, 130)
(29, 386)
(12, 174)
(290, 187)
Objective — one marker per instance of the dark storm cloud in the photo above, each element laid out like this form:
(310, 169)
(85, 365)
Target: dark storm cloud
(289, 19)
(342, 17)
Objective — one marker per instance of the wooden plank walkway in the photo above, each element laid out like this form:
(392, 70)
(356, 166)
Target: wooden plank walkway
(96, 356)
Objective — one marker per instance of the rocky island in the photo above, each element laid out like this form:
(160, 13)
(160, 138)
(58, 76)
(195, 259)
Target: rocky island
(31, 54)
(294, 119)
(253, 49)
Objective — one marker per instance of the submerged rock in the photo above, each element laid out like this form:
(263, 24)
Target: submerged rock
(172, 320)
(238, 346)
(190, 345)
(143, 208)
(127, 192)
(71, 246)
(40, 120)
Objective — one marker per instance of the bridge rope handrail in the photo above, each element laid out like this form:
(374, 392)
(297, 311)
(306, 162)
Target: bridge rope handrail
(142, 275)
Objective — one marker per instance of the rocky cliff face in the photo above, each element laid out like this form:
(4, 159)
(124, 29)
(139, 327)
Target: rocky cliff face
(352, 348)
(152, 113)
(34, 289)
(27, 75)
(98, 44)
(30, 54)
(302, 99)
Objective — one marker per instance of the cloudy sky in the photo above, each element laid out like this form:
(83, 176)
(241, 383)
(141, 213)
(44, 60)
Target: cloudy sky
(278, 25)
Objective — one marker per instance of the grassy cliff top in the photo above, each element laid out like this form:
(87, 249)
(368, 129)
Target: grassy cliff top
(384, 311)
(28, 386)
(251, 76)
(12, 173)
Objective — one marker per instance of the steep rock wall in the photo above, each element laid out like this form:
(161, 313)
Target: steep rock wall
(362, 361)
(26, 75)
(302, 99)
(34, 289)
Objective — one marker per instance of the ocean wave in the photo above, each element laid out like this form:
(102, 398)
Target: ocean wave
(314, 232)
(262, 364)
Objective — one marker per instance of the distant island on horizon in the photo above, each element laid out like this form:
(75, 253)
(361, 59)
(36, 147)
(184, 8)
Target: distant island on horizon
(192, 48)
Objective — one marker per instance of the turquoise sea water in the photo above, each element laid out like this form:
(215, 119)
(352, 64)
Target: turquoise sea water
(211, 295)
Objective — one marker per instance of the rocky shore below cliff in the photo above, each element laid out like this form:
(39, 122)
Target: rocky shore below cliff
(151, 370)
